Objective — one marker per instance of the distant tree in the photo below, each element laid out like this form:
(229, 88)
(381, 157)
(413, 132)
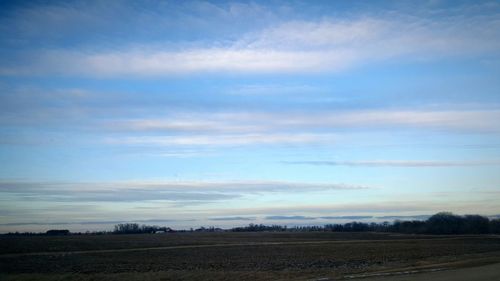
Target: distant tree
(494, 226)
(127, 228)
(259, 227)
(356, 227)
(134, 228)
(415, 227)
(475, 224)
(444, 223)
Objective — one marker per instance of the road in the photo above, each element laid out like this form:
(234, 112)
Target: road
(489, 272)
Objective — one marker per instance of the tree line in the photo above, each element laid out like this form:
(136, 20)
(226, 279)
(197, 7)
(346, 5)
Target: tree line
(440, 223)
(135, 228)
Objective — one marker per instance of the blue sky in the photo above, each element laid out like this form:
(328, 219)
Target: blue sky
(190, 113)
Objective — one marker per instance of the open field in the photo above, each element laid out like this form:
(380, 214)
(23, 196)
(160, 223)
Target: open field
(243, 256)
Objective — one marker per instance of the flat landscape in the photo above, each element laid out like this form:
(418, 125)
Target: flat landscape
(249, 256)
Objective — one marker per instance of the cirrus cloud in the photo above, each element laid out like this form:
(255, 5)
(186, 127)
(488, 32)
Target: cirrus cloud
(290, 47)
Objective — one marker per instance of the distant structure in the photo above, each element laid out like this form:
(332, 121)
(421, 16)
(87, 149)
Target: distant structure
(57, 232)
(162, 230)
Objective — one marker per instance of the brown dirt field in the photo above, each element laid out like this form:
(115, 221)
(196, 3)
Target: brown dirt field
(250, 256)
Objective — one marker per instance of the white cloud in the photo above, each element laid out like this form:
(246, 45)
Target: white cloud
(223, 140)
(251, 126)
(242, 129)
(275, 89)
(470, 120)
(320, 35)
(295, 46)
(157, 62)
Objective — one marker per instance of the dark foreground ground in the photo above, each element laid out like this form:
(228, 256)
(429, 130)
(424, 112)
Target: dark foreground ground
(250, 256)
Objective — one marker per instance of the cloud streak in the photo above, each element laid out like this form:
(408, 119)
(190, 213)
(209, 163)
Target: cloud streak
(253, 122)
(398, 163)
(380, 208)
(180, 192)
(224, 140)
(261, 128)
(289, 218)
(346, 217)
(90, 222)
(233, 219)
(75, 110)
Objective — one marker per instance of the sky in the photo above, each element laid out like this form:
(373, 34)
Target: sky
(225, 113)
